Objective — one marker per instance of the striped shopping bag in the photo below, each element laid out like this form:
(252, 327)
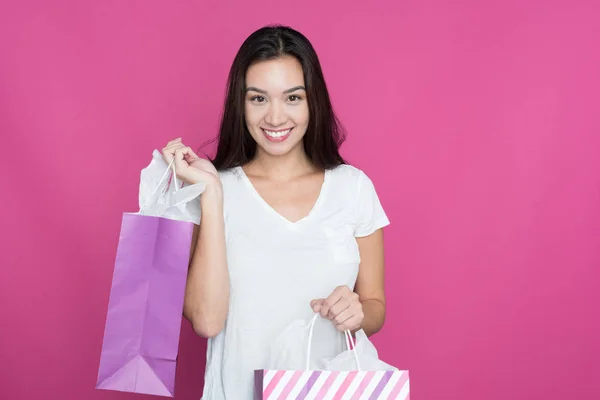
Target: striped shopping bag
(331, 385)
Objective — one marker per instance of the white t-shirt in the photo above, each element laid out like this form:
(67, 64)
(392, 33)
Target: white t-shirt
(277, 267)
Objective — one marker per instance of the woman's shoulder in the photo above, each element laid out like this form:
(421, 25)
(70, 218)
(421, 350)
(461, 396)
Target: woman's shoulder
(352, 183)
(349, 179)
(231, 181)
(346, 174)
(230, 175)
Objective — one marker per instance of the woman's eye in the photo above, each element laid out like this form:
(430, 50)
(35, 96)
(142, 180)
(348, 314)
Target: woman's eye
(258, 99)
(294, 98)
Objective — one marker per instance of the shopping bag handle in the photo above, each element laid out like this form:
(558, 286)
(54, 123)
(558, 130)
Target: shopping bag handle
(170, 166)
(350, 345)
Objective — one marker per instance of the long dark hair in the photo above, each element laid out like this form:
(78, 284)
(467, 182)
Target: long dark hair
(324, 133)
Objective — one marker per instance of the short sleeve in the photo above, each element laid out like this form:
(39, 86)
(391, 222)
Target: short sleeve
(370, 215)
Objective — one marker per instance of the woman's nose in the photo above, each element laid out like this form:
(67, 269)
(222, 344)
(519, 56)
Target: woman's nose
(275, 115)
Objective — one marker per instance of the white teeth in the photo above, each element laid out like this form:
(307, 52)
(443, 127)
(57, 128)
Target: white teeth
(277, 134)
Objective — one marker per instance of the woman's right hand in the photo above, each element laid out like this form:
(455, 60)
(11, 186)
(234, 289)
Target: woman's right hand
(189, 167)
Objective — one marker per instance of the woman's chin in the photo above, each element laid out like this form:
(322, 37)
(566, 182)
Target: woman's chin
(280, 149)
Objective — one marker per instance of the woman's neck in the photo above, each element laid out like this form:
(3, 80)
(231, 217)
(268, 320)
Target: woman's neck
(280, 168)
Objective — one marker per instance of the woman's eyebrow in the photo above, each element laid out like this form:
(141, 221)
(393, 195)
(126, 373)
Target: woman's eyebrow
(290, 90)
(300, 87)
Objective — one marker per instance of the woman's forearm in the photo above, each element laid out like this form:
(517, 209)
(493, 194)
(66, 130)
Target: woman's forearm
(374, 316)
(207, 290)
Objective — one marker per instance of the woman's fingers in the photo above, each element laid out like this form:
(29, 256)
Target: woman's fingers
(344, 319)
(329, 303)
(184, 152)
(180, 153)
(342, 307)
(338, 301)
(316, 305)
(168, 151)
(338, 308)
(350, 324)
(189, 167)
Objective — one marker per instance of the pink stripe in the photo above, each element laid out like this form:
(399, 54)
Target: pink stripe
(363, 385)
(271, 386)
(349, 342)
(327, 385)
(290, 385)
(345, 385)
(399, 385)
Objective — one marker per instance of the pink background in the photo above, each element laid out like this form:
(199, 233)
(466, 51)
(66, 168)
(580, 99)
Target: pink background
(478, 121)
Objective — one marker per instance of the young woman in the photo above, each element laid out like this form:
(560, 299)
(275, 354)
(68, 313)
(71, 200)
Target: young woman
(288, 228)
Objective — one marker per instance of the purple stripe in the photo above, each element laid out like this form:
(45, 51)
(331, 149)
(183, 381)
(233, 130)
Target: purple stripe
(259, 377)
(381, 385)
(309, 384)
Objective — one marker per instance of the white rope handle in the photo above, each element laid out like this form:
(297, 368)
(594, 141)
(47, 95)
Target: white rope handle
(349, 343)
(170, 166)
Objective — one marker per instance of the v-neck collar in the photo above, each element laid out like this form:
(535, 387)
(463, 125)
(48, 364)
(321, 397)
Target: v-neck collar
(313, 210)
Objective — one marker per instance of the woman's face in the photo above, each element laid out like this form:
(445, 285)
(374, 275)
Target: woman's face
(276, 107)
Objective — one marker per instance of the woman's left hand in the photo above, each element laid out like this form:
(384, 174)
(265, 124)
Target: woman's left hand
(342, 307)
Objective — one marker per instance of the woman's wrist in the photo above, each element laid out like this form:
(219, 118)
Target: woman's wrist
(212, 197)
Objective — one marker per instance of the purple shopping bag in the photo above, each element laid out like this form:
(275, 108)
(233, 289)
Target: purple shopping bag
(141, 337)
(143, 322)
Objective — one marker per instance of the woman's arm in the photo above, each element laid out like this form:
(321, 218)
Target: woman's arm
(207, 291)
(206, 300)
(365, 307)
(370, 282)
